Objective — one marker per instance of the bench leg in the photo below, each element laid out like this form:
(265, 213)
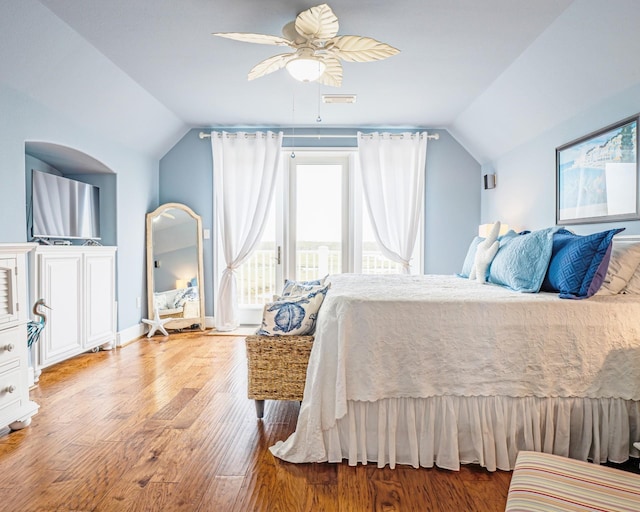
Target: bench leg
(259, 408)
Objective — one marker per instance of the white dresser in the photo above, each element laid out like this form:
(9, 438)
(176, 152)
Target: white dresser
(78, 284)
(15, 407)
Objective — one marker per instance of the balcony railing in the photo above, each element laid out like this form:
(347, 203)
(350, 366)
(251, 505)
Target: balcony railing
(256, 277)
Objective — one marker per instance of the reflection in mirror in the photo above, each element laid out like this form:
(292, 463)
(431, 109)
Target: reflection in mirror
(174, 266)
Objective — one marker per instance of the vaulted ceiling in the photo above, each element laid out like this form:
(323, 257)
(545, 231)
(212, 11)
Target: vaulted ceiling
(493, 72)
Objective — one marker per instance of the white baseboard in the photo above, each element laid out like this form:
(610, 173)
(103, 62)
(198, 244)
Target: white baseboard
(130, 334)
(134, 332)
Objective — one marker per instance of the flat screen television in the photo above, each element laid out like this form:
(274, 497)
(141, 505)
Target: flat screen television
(64, 208)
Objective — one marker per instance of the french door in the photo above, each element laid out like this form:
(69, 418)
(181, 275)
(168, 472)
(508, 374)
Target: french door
(316, 226)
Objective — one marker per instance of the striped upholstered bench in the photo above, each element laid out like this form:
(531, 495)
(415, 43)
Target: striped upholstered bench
(544, 482)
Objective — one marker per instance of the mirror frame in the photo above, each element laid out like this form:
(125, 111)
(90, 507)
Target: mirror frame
(177, 323)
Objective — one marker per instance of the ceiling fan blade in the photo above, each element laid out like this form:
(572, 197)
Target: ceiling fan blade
(333, 72)
(255, 38)
(318, 22)
(359, 49)
(270, 65)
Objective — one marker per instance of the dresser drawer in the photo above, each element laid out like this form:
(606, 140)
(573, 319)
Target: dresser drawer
(11, 341)
(10, 388)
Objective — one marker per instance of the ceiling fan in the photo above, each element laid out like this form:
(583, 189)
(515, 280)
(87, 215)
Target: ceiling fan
(318, 48)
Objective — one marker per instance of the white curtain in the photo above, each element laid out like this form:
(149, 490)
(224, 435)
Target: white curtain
(245, 167)
(393, 177)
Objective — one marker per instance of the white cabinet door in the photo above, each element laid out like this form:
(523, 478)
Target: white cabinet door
(99, 301)
(61, 287)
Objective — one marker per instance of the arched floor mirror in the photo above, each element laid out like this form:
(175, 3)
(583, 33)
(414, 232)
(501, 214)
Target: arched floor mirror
(174, 266)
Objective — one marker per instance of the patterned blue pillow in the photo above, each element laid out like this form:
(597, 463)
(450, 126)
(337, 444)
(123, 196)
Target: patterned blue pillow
(184, 295)
(292, 315)
(470, 257)
(296, 287)
(578, 263)
(522, 261)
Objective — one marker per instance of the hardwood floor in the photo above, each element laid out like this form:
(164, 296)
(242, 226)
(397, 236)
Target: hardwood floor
(164, 425)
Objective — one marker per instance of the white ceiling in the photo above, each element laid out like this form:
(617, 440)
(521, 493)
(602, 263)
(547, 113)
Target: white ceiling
(459, 62)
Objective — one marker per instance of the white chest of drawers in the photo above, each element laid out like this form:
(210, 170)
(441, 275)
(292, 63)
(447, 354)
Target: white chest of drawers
(15, 407)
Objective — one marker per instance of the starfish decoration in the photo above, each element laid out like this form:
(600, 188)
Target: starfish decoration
(157, 324)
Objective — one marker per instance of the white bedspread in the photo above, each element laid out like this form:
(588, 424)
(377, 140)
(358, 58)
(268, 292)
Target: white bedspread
(395, 337)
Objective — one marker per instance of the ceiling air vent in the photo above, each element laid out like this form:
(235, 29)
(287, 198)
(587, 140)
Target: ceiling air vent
(338, 98)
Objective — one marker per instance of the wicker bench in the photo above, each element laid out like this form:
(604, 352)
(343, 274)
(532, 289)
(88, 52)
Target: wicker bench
(277, 368)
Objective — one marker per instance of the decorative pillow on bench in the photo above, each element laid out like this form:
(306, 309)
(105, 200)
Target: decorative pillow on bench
(292, 314)
(301, 287)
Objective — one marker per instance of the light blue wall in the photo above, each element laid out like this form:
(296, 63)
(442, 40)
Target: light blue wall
(186, 177)
(525, 196)
(24, 119)
(452, 204)
(452, 195)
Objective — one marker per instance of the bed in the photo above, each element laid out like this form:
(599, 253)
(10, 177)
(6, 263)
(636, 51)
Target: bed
(439, 370)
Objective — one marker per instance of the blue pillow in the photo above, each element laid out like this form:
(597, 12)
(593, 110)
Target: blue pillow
(471, 252)
(522, 262)
(578, 263)
(470, 257)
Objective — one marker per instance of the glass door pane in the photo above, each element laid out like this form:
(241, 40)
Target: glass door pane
(318, 218)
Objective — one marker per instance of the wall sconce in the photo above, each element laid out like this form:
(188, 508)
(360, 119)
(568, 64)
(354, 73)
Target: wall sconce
(489, 181)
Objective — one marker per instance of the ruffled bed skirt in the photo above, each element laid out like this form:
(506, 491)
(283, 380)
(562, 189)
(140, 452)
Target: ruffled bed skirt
(490, 431)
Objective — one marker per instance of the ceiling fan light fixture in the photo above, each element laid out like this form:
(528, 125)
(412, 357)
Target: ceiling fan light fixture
(306, 68)
(318, 48)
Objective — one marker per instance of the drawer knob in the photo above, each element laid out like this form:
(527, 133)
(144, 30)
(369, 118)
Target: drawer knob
(10, 388)
(9, 347)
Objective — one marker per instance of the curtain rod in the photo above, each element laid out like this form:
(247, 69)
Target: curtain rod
(435, 136)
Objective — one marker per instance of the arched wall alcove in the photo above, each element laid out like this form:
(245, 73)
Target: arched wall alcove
(77, 165)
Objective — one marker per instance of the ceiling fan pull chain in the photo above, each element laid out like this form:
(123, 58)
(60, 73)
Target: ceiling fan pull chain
(318, 119)
(293, 124)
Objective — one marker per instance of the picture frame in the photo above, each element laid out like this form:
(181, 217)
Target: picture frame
(597, 176)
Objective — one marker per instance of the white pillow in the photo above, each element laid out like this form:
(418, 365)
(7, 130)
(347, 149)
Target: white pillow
(625, 259)
(160, 301)
(633, 286)
(292, 315)
(485, 252)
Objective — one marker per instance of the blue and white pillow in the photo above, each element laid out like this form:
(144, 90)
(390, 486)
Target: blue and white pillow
(301, 287)
(184, 295)
(293, 315)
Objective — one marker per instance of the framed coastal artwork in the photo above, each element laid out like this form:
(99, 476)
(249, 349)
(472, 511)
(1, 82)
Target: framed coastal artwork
(597, 176)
